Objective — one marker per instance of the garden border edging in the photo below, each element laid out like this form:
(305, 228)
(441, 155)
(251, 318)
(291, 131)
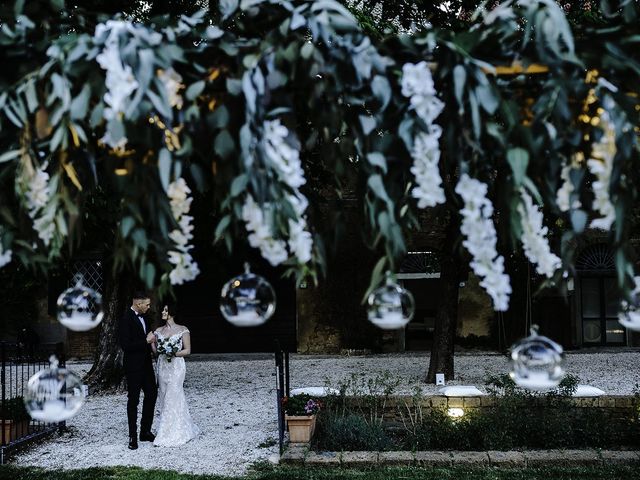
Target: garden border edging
(300, 454)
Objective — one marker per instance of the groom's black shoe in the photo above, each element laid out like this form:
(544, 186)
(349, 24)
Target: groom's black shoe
(147, 437)
(133, 443)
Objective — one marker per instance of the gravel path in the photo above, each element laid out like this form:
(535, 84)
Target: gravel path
(232, 399)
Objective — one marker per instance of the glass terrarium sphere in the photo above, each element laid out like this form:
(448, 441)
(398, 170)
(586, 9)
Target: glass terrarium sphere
(247, 300)
(629, 316)
(390, 307)
(537, 362)
(54, 394)
(80, 307)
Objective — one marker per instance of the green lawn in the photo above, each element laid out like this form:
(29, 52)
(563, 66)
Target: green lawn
(286, 473)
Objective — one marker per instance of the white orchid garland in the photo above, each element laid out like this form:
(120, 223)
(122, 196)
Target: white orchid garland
(601, 166)
(481, 239)
(39, 196)
(185, 267)
(563, 195)
(120, 81)
(534, 237)
(417, 85)
(284, 159)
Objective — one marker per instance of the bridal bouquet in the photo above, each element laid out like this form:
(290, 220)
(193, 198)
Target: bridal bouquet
(168, 347)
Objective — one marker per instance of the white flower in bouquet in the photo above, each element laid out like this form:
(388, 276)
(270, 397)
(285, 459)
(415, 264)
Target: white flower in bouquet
(168, 347)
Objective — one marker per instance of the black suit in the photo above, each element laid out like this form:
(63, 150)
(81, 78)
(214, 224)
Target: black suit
(138, 369)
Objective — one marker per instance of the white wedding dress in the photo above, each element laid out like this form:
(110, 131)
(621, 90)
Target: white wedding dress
(175, 425)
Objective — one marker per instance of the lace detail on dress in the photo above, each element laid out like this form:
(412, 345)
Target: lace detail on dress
(175, 425)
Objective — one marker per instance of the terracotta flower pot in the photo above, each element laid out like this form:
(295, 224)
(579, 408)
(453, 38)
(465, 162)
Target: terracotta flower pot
(301, 428)
(14, 430)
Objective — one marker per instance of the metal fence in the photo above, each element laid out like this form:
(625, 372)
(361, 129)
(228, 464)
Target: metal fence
(18, 362)
(282, 390)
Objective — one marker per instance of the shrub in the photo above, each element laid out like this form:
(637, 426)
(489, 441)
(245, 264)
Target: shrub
(350, 432)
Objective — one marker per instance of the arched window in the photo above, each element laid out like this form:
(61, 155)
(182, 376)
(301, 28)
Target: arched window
(599, 297)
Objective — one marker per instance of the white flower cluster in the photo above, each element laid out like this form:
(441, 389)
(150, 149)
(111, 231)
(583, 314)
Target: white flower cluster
(172, 82)
(563, 195)
(534, 240)
(284, 159)
(120, 81)
(281, 156)
(258, 222)
(274, 250)
(481, 239)
(417, 85)
(629, 315)
(38, 196)
(601, 166)
(185, 268)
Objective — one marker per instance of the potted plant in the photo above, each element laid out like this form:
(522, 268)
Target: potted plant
(300, 413)
(14, 419)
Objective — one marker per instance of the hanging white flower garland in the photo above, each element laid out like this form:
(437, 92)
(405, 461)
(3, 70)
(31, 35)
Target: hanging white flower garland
(563, 195)
(601, 166)
(185, 267)
(284, 159)
(39, 195)
(481, 239)
(417, 85)
(534, 237)
(120, 81)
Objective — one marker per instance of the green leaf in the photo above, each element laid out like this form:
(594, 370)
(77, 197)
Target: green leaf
(377, 187)
(518, 158)
(368, 123)
(164, 167)
(376, 277)
(578, 220)
(194, 90)
(222, 226)
(139, 236)
(487, 98)
(239, 185)
(80, 104)
(149, 274)
(31, 95)
(459, 79)
(10, 155)
(377, 159)
(381, 89)
(126, 225)
(224, 144)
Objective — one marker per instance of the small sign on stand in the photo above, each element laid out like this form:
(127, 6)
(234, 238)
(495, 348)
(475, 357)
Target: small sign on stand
(440, 379)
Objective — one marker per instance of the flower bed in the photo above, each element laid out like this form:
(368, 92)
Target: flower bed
(373, 419)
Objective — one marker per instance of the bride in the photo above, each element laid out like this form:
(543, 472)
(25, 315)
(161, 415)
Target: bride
(175, 425)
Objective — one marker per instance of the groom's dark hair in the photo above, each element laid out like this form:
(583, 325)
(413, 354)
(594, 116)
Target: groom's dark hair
(140, 295)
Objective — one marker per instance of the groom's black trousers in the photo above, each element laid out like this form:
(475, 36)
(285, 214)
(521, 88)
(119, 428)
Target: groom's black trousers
(141, 380)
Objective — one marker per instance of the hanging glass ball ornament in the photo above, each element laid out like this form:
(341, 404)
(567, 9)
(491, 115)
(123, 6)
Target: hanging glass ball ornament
(80, 307)
(247, 300)
(537, 362)
(390, 307)
(54, 394)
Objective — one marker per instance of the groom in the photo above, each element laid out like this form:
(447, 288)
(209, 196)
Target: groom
(138, 368)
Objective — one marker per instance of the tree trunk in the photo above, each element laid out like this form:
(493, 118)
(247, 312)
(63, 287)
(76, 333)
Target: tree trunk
(442, 349)
(107, 372)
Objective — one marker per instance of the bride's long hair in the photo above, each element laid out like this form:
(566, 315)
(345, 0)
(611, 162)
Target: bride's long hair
(172, 310)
